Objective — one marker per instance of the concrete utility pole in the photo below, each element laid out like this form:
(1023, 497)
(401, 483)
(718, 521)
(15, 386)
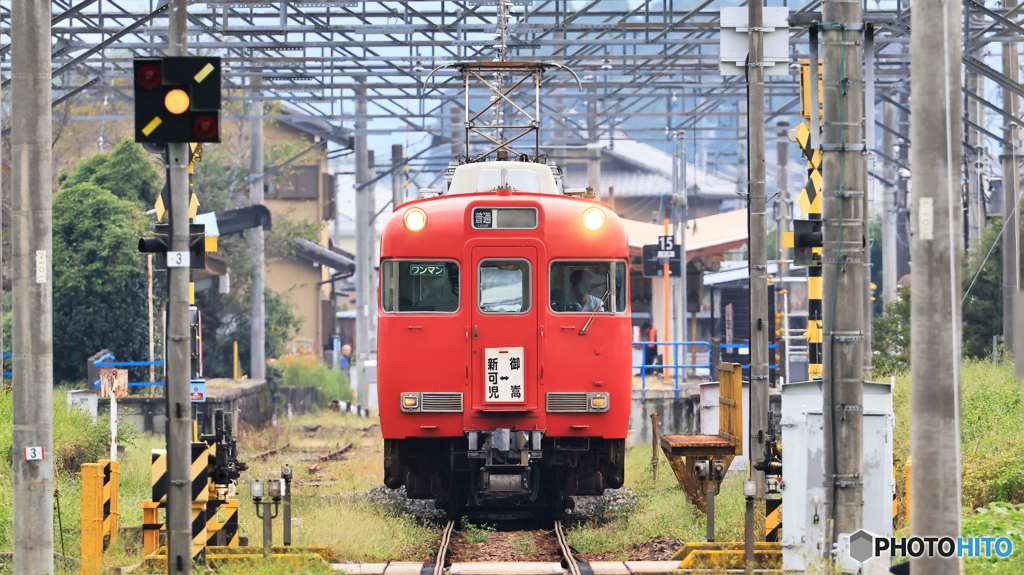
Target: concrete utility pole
(757, 224)
(889, 212)
(365, 293)
(1009, 163)
(976, 161)
(783, 217)
(32, 224)
(594, 148)
(258, 341)
(936, 131)
(397, 177)
(843, 273)
(785, 213)
(179, 407)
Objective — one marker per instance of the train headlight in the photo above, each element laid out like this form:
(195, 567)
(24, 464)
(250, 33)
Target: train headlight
(593, 218)
(410, 402)
(598, 402)
(415, 219)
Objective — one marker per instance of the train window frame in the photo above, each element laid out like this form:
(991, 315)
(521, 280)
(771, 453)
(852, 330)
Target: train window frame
(393, 262)
(612, 296)
(494, 217)
(529, 283)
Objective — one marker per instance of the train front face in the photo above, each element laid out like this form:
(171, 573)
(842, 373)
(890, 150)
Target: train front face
(504, 350)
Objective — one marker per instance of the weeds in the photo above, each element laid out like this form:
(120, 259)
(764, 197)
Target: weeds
(523, 543)
(477, 534)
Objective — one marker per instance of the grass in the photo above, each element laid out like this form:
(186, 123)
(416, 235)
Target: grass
(661, 510)
(992, 432)
(477, 534)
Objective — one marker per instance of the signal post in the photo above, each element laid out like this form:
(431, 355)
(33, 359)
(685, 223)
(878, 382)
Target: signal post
(177, 101)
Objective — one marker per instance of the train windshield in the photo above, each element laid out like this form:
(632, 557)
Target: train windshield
(420, 286)
(504, 286)
(588, 286)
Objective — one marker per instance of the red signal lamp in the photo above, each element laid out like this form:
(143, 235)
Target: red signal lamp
(149, 76)
(205, 127)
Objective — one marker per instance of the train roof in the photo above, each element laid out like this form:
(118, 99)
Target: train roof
(525, 177)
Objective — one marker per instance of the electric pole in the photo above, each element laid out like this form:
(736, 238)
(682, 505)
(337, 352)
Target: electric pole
(364, 247)
(1011, 191)
(179, 406)
(397, 177)
(258, 341)
(757, 241)
(32, 224)
(975, 166)
(783, 218)
(843, 255)
(936, 132)
(889, 211)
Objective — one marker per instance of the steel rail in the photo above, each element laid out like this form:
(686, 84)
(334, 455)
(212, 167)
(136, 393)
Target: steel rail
(442, 552)
(563, 544)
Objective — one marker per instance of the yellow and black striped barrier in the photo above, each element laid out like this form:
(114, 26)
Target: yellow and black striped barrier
(207, 527)
(773, 519)
(226, 533)
(99, 512)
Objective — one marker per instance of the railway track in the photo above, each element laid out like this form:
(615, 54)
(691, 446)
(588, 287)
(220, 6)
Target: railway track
(569, 564)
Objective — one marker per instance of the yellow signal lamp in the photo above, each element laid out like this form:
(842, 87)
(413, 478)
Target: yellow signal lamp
(599, 401)
(177, 101)
(593, 218)
(414, 219)
(409, 401)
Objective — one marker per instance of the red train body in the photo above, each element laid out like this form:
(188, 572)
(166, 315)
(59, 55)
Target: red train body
(503, 343)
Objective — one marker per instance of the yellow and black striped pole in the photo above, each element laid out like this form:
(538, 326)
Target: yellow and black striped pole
(810, 204)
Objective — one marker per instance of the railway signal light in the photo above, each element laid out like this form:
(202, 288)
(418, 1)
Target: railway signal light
(160, 243)
(177, 99)
(806, 241)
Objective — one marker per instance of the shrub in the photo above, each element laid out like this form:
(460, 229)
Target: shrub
(305, 369)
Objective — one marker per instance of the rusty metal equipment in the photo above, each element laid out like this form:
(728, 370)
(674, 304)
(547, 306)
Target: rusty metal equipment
(685, 451)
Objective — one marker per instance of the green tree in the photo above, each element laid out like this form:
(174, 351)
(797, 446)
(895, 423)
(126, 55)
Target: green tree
(99, 283)
(983, 305)
(127, 172)
(890, 335)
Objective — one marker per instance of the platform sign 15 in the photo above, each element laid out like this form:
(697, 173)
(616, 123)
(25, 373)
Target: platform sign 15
(35, 453)
(426, 269)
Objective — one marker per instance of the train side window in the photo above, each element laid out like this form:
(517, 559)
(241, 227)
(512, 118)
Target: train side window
(420, 286)
(504, 286)
(588, 286)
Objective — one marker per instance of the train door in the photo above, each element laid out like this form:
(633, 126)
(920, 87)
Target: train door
(505, 354)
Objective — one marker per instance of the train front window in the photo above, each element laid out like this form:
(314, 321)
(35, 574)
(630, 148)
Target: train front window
(504, 286)
(588, 286)
(420, 286)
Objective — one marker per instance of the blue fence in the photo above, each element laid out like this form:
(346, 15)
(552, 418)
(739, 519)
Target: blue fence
(103, 363)
(675, 365)
(680, 368)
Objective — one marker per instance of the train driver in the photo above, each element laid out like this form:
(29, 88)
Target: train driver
(581, 281)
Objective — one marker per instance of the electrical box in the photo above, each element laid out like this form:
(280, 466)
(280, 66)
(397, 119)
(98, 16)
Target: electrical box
(804, 520)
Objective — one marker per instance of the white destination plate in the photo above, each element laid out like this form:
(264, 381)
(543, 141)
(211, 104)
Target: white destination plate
(503, 375)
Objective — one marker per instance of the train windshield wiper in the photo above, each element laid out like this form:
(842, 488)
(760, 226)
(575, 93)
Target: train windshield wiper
(593, 314)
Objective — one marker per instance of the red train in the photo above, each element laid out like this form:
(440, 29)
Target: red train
(504, 342)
